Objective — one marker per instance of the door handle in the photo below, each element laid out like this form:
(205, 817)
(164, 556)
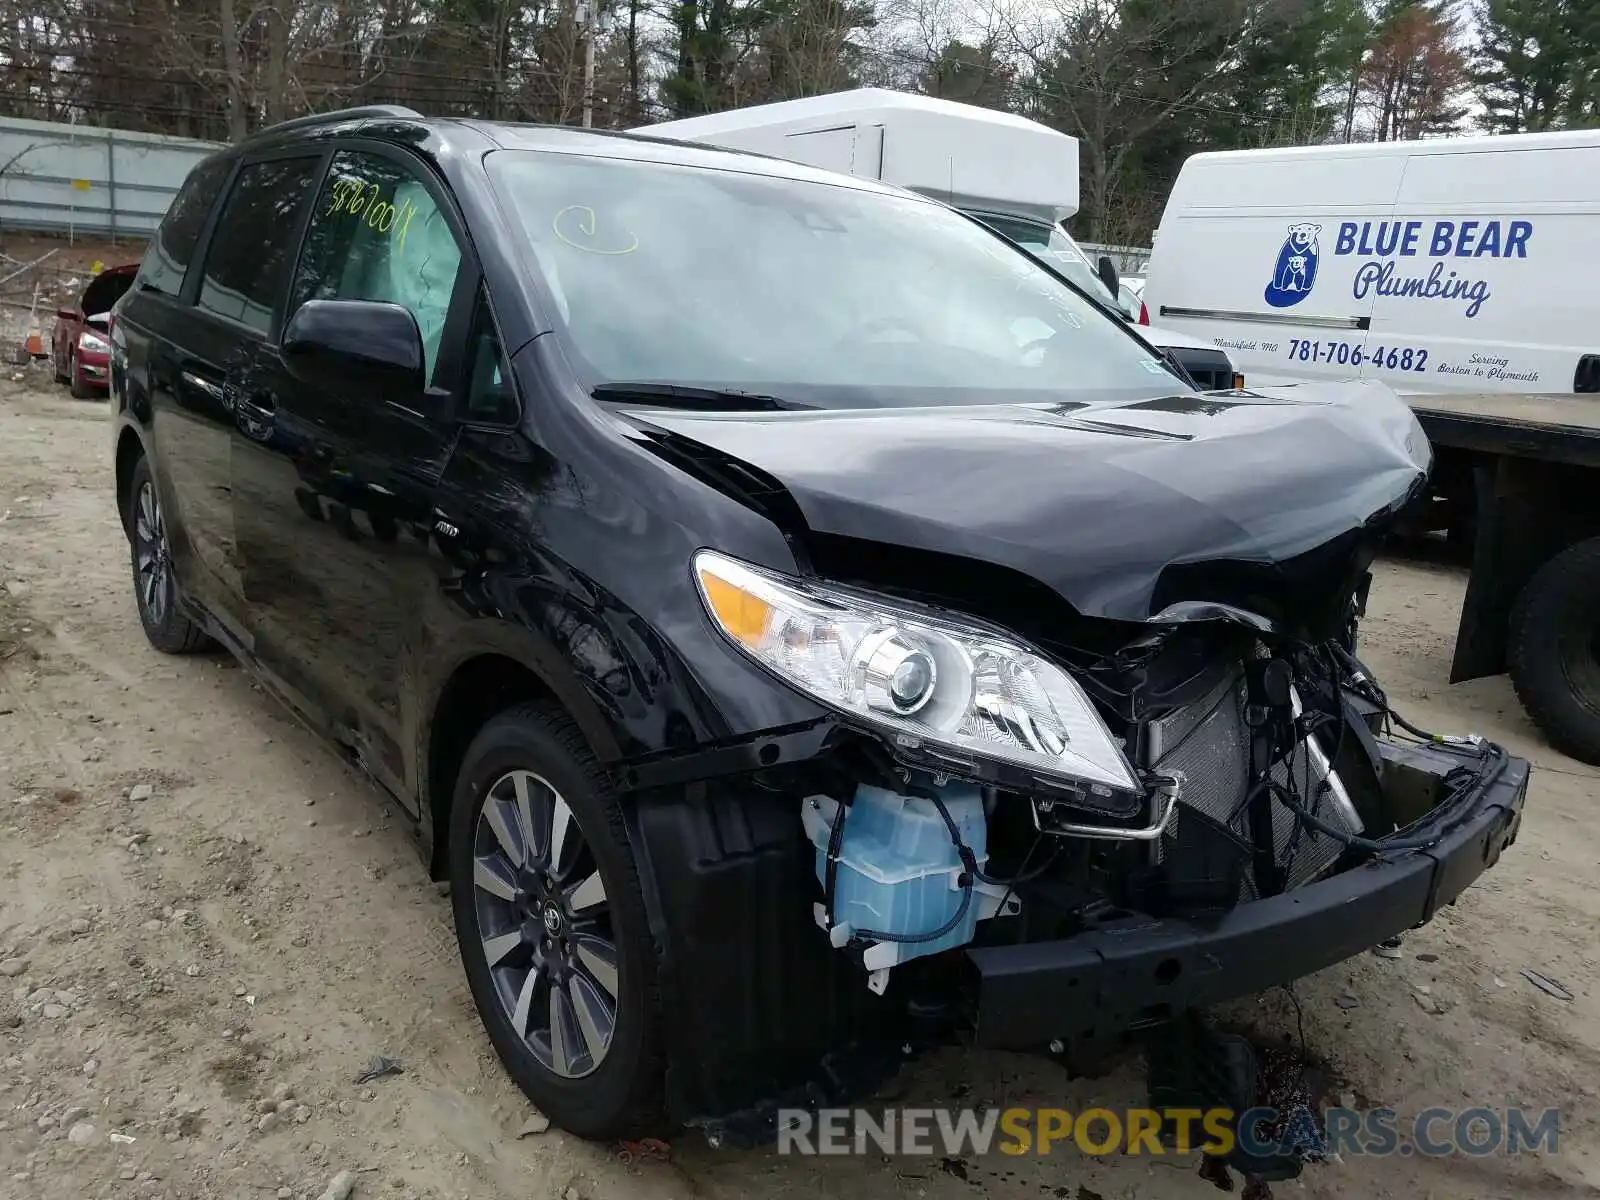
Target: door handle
(201, 384)
(256, 415)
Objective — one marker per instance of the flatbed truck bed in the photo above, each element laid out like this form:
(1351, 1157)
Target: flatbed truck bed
(1517, 480)
(1557, 428)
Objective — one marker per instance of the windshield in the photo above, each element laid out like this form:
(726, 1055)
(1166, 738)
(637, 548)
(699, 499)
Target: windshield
(828, 294)
(1051, 245)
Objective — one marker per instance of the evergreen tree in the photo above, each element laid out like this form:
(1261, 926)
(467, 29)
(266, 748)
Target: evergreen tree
(1296, 75)
(1523, 64)
(1582, 45)
(1132, 80)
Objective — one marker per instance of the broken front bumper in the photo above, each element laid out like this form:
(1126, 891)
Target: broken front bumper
(1140, 971)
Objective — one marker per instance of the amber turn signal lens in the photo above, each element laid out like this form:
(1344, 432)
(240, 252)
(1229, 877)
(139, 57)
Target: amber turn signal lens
(743, 616)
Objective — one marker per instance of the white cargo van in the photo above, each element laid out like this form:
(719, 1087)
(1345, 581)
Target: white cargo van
(1451, 265)
(1017, 176)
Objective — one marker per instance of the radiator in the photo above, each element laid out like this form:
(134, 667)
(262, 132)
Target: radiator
(1208, 746)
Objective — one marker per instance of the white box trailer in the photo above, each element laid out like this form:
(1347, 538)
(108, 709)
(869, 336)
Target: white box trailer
(971, 158)
(1016, 175)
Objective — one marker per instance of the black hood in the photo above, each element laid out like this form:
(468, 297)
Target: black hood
(1121, 508)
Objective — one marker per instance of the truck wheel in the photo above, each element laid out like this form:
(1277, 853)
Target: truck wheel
(551, 923)
(1554, 650)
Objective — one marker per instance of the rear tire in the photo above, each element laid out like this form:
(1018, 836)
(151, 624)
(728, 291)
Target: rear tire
(155, 588)
(590, 968)
(1554, 652)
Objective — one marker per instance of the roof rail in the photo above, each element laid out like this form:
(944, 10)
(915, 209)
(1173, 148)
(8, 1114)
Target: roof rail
(342, 114)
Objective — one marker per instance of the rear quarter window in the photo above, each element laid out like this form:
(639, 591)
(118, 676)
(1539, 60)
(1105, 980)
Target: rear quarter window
(167, 260)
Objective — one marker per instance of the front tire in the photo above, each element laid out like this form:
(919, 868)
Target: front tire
(551, 924)
(155, 588)
(80, 390)
(1554, 653)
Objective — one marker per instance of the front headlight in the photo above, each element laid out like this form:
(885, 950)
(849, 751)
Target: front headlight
(92, 342)
(928, 681)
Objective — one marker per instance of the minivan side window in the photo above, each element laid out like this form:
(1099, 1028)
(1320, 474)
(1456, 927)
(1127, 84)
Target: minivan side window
(376, 234)
(252, 248)
(167, 259)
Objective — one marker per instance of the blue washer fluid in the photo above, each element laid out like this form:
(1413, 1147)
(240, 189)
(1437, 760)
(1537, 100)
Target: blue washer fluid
(898, 868)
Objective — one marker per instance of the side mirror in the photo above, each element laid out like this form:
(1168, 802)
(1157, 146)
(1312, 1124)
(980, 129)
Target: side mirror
(67, 314)
(1107, 271)
(363, 348)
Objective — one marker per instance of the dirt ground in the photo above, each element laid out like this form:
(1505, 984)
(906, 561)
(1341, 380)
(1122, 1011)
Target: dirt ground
(204, 916)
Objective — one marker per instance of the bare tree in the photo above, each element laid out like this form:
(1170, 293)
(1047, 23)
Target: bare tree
(922, 45)
(233, 78)
(633, 56)
(1414, 75)
(1111, 71)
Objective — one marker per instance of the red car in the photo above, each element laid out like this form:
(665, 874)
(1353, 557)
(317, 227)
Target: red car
(78, 344)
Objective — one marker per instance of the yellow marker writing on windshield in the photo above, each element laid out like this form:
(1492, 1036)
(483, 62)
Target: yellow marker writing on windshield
(585, 225)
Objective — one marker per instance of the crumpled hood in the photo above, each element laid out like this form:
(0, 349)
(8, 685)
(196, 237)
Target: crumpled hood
(1103, 502)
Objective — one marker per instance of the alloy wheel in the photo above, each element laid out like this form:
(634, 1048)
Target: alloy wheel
(545, 924)
(152, 560)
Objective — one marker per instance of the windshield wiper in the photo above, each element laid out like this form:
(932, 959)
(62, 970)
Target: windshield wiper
(676, 395)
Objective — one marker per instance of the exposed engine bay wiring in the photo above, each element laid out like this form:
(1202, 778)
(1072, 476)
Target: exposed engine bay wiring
(1308, 817)
(1346, 672)
(1269, 749)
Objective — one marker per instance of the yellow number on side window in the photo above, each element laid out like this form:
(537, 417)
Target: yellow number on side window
(355, 198)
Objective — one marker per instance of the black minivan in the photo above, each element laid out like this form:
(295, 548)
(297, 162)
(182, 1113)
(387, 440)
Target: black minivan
(800, 627)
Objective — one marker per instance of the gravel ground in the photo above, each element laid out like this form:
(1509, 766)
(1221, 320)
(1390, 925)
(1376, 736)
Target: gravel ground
(209, 927)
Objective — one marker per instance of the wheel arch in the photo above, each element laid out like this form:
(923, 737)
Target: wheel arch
(500, 669)
(130, 449)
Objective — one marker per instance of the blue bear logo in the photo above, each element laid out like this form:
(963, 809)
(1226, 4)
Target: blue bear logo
(1296, 269)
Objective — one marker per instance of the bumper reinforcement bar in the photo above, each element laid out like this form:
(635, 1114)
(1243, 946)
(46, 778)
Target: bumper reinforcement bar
(1144, 970)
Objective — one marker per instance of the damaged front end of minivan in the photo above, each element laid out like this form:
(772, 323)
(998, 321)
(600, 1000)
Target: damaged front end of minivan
(1094, 754)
